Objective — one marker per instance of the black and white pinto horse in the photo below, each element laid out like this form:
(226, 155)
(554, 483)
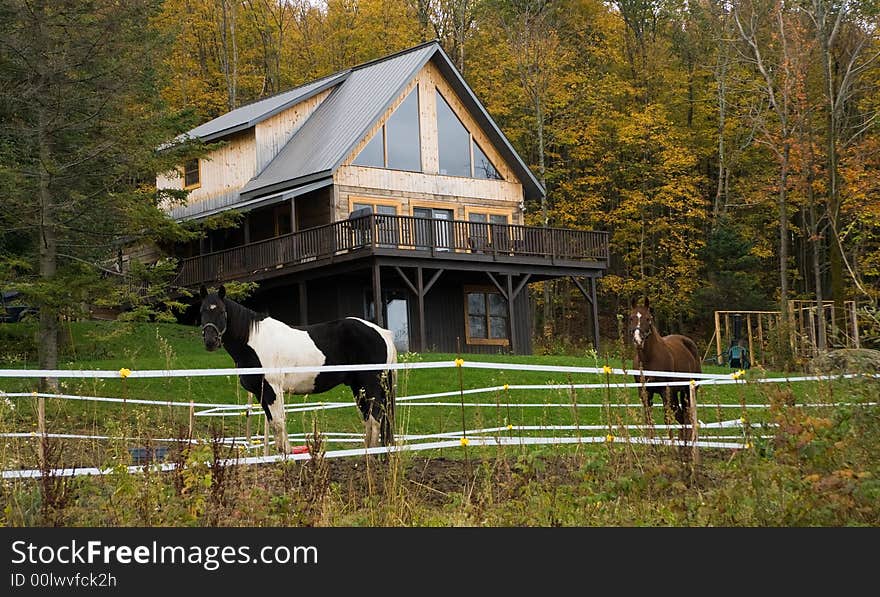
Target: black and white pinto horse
(257, 340)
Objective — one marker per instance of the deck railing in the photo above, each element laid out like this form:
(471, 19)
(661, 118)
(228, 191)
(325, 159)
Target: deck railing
(388, 233)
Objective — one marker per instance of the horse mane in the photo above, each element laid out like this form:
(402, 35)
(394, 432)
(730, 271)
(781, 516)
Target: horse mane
(239, 320)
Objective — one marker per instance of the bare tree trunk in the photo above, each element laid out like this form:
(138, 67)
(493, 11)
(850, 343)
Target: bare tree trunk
(841, 72)
(777, 86)
(229, 53)
(721, 73)
(461, 32)
(424, 15)
(542, 177)
(783, 230)
(835, 258)
(48, 329)
(816, 237)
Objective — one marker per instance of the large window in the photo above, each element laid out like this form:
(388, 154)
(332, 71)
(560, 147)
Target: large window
(487, 319)
(453, 140)
(459, 154)
(397, 144)
(402, 137)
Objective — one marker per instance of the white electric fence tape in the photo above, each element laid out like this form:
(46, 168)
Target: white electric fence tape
(476, 435)
(476, 441)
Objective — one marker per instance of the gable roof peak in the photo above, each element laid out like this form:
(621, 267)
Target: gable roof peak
(358, 98)
(369, 63)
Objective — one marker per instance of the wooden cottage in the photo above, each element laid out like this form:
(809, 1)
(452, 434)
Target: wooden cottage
(386, 192)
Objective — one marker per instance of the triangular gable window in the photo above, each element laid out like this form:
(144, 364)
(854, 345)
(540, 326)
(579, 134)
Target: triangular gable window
(483, 167)
(397, 144)
(453, 140)
(373, 155)
(459, 153)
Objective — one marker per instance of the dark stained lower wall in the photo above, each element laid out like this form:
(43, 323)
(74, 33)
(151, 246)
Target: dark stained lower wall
(445, 327)
(350, 294)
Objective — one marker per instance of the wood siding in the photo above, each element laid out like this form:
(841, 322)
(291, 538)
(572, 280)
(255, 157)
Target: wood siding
(223, 172)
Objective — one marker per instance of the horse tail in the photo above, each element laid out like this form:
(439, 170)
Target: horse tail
(692, 348)
(386, 432)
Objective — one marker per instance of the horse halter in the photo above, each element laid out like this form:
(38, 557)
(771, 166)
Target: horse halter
(220, 332)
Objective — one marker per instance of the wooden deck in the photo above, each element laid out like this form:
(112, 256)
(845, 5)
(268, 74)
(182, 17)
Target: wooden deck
(400, 236)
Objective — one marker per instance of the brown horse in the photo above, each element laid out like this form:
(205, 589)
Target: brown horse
(662, 353)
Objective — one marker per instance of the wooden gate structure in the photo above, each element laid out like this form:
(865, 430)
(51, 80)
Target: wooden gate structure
(755, 330)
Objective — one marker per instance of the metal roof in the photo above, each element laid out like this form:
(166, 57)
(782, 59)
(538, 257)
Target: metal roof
(249, 115)
(360, 97)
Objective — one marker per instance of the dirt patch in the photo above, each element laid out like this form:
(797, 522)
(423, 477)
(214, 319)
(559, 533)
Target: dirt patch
(430, 480)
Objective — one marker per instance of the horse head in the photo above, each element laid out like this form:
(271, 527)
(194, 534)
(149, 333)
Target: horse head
(641, 322)
(213, 317)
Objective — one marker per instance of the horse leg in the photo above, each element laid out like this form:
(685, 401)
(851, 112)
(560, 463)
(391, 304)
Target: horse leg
(274, 408)
(646, 396)
(386, 384)
(670, 399)
(373, 400)
(681, 413)
(372, 427)
(259, 387)
(364, 402)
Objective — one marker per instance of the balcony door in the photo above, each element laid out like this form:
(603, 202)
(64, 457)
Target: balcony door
(436, 234)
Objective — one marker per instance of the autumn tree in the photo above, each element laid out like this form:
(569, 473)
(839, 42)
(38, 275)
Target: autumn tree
(847, 42)
(80, 126)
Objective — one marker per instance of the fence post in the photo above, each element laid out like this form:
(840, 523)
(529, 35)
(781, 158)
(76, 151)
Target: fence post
(265, 436)
(695, 451)
(191, 417)
(751, 346)
(855, 325)
(41, 428)
(247, 418)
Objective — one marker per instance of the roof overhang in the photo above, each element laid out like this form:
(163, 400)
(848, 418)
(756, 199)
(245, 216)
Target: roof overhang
(249, 204)
(311, 182)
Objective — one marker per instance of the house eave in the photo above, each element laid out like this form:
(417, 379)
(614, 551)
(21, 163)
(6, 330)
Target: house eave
(287, 185)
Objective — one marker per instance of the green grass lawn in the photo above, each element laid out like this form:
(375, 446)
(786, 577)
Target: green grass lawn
(139, 346)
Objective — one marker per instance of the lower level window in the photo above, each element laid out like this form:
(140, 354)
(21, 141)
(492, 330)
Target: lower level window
(487, 319)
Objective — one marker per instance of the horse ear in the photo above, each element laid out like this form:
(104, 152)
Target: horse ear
(647, 303)
(221, 292)
(203, 292)
(634, 302)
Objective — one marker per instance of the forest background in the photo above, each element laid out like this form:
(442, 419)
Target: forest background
(730, 148)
